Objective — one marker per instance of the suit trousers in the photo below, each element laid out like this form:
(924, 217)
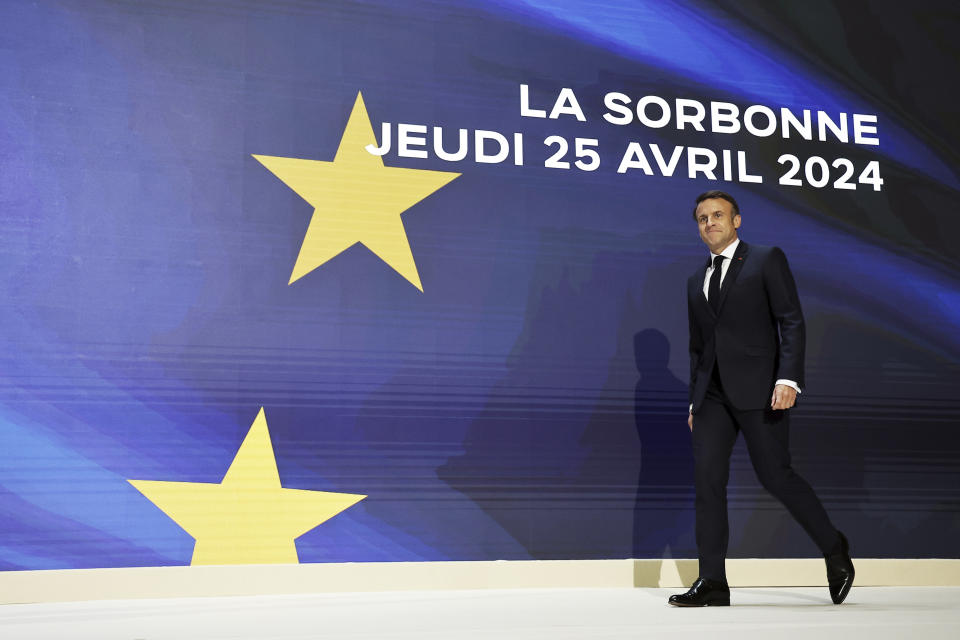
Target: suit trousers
(715, 429)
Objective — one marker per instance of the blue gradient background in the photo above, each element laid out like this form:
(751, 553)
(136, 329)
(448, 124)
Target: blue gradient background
(531, 402)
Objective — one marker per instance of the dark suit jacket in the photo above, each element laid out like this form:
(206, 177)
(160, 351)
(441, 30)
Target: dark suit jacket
(756, 338)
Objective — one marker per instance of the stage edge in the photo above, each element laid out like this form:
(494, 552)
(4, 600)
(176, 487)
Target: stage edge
(239, 580)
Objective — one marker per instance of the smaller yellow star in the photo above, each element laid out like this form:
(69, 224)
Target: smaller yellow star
(248, 518)
(356, 199)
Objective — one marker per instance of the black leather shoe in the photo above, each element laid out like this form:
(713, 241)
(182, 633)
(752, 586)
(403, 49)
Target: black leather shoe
(840, 571)
(703, 593)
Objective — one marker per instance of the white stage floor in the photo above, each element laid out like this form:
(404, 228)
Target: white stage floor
(554, 614)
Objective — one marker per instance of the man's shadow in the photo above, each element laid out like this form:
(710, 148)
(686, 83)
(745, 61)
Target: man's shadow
(663, 509)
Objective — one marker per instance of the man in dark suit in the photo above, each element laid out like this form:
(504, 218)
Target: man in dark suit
(746, 369)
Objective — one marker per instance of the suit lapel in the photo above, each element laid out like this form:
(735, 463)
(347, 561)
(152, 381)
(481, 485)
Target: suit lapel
(739, 256)
(698, 292)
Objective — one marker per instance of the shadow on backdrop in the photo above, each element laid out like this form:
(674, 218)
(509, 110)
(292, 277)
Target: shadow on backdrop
(663, 510)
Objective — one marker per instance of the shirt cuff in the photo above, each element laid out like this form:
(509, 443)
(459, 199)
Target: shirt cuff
(789, 383)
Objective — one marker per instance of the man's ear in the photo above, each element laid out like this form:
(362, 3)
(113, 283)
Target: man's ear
(736, 221)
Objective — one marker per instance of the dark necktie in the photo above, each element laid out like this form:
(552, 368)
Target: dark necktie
(713, 291)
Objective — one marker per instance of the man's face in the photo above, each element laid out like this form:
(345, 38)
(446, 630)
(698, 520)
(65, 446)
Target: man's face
(718, 225)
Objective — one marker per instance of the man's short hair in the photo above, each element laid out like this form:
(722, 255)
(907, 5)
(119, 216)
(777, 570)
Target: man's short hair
(707, 195)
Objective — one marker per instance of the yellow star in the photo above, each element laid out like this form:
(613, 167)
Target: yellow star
(248, 518)
(356, 199)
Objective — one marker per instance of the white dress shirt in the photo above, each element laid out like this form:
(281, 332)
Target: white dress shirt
(724, 266)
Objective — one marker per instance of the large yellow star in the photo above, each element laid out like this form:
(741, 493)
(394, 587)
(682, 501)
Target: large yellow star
(356, 199)
(248, 518)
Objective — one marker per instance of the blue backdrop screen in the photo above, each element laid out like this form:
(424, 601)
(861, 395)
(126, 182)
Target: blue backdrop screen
(194, 228)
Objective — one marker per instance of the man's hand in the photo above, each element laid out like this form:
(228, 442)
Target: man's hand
(690, 421)
(784, 397)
